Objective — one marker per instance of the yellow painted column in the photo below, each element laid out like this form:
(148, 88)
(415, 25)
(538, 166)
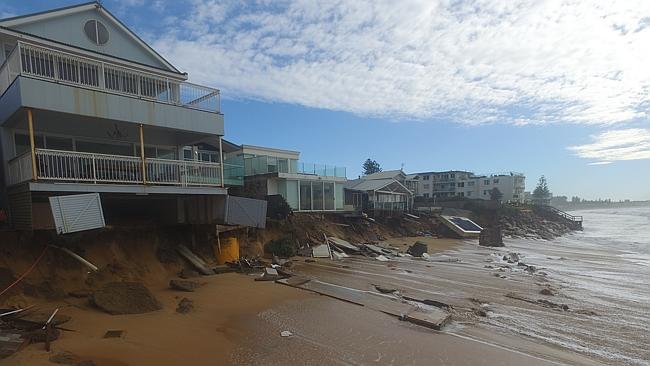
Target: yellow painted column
(32, 145)
(144, 165)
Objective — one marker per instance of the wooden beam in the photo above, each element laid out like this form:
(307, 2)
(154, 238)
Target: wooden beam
(32, 145)
(144, 166)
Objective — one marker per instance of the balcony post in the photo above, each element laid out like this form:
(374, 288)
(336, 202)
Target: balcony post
(221, 161)
(144, 167)
(32, 145)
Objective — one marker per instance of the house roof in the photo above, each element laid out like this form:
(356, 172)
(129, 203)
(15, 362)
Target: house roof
(384, 175)
(9, 23)
(367, 185)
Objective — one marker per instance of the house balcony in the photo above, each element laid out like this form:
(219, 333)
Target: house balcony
(268, 164)
(40, 77)
(59, 166)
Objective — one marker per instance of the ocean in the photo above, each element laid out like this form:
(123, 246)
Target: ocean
(605, 270)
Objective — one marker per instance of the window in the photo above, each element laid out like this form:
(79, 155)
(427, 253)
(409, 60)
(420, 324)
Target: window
(470, 183)
(426, 195)
(426, 186)
(461, 184)
(96, 32)
(305, 195)
(58, 143)
(469, 193)
(461, 194)
(425, 177)
(496, 181)
(452, 176)
(486, 182)
(22, 143)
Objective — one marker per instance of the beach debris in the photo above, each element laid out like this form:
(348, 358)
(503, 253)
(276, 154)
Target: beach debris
(184, 285)
(11, 341)
(385, 290)
(540, 302)
(418, 249)
(223, 268)
(114, 333)
(343, 245)
(272, 274)
(429, 302)
(63, 358)
(185, 306)
(188, 273)
(547, 292)
(194, 260)
(286, 333)
(86, 363)
(339, 255)
(321, 251)
(310, 260)
(382, 258)
(79, 258)
(511, 258)
(436, 319)
(17, 311)
(125, 298)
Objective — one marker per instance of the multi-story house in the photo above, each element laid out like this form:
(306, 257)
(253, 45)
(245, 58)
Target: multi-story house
(387, 192)
(87, 106)
(466, 184)
(306, 187)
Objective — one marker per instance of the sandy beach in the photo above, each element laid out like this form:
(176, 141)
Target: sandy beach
(237, 320)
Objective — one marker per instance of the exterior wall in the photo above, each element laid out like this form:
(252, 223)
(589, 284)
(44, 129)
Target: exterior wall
(50, 96)
(69, 30)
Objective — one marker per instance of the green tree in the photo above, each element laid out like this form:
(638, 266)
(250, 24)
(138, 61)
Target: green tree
(542, 192)
(495, 194)
(371, 166)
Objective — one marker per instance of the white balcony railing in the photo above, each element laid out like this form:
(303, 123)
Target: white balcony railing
(81, 167)
(63, 67)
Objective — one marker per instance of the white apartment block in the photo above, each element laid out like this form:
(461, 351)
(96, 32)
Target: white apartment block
(467, 184)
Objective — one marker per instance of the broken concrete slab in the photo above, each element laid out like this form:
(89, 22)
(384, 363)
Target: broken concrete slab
(321, 251)
(11, 342)
(343, 244)
(435, 319)
(184, 285)
(270, 274)
(197, 262)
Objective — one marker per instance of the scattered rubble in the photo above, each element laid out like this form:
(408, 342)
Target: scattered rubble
(184, 285)
(185, 306)
(418, 249)
(125, 298)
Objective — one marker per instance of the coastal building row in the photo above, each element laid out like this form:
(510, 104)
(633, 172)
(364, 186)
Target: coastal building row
(87, 106)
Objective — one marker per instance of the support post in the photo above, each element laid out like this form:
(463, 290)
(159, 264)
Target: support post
(144, 166)
(32, 145)
(221, 162)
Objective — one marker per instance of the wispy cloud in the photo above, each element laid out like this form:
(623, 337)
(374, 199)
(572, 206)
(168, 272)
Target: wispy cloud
(614, 145)
(469, 61)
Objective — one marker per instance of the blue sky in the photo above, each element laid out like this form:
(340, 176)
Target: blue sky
(559, 88)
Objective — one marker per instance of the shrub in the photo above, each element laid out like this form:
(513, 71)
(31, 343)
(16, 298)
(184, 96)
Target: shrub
(283, 247)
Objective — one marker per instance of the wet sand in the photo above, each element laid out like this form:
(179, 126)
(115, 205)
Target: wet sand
(238, 321)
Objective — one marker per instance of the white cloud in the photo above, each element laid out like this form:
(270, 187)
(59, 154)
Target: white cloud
(610, 146)
(472, 61)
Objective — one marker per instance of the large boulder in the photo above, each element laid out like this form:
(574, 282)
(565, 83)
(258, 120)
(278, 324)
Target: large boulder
(184, 285)
(125, 298)
(491, 237)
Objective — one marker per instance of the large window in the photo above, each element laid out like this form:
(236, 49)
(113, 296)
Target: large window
(317, 195)
(105, 148)
(328, 195)
(22, 143)
(305, 196)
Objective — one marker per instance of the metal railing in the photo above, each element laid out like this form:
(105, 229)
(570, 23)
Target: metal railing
(269, 164)
(63, 67)
(82, 167)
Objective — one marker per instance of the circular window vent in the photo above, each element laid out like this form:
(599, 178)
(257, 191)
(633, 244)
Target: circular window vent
(96, 32)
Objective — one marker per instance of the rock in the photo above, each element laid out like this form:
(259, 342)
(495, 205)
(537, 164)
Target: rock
(417, 249)
(125, 298)
(63, 358)
(530, 269)
(184, 285)
(185, 306)
(491, 237)
(385, 290)
(547, 292)
(310, 260)
(479, 312)
(38, 335)
(188, 273)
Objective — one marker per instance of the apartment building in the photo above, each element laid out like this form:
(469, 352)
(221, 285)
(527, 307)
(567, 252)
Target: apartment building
(448, 184)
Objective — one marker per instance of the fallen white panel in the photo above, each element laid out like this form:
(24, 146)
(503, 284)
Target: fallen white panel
(78, 212)
(321, 251)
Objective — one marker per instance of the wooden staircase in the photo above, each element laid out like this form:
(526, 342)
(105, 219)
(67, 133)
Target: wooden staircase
(552, 213)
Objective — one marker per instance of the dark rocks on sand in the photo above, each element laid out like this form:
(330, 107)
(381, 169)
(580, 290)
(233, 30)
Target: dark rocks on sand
(417, 249)
(63, 358)
(184, 285)
(547, 292)
(125, 298)
(185, 306)
(491, 237)
(385, 290)
(86, 363)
